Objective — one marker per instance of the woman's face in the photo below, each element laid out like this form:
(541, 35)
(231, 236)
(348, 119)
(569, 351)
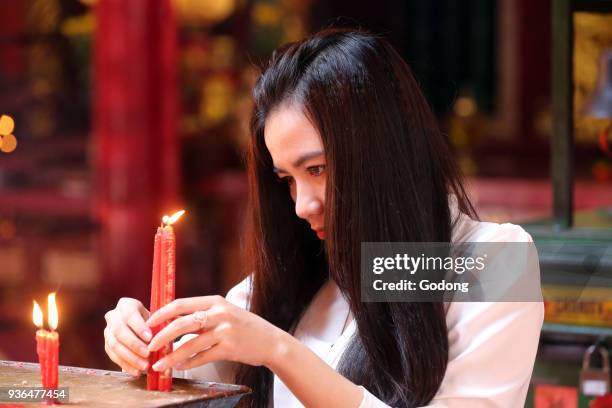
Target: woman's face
(299, 161)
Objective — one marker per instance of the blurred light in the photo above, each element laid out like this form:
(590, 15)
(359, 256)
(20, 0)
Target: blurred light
(7, 125)
(79, 25)
(215, 105)
(266, 14)
(204, 11)
(9, 143)
(465, 106)
(293, 28)
(222, 52)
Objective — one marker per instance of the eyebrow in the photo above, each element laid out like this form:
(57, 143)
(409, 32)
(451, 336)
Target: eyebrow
(300, 160)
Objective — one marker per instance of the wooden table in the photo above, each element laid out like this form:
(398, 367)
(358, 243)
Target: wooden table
(101, 388)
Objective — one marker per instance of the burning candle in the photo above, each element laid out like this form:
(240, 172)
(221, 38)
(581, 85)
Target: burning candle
(41, 342)
(47, 343)
(53, 341)
(153, 376)
(162, 293)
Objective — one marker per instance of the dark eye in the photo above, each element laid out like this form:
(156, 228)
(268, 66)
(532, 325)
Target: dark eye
(316, 170)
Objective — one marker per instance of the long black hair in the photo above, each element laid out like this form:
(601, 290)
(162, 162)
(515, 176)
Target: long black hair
(390, 172)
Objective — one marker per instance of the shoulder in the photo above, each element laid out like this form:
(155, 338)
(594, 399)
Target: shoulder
(466, 229)
(507, 332)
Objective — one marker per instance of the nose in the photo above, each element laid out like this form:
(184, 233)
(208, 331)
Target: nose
(307, 203)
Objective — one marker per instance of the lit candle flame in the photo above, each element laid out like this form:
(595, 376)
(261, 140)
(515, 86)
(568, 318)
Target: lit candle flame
(53, 317)
(37, 315)
(173, 218)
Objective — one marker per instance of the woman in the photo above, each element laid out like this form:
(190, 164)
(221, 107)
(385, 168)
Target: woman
(344, 150)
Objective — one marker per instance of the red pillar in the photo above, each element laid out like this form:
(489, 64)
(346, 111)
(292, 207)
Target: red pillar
(135, 129)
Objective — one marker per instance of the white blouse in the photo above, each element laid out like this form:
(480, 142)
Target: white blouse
(492, 345)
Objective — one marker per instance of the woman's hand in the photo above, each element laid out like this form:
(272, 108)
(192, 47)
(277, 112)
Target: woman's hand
(125, 335)
(224, 332)
(227, 332)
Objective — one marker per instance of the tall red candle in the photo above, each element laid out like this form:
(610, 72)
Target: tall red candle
(162, 293)
(153, 376)
(168, 285)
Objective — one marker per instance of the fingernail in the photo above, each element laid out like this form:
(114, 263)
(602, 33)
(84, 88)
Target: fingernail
(144, 351)
(159, 366)
(143, 365)
(147, 335)
(151, 347)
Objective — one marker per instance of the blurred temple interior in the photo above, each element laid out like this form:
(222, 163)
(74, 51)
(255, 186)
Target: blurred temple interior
(127, 110)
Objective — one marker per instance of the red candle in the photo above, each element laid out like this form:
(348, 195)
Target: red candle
(52, 341)
(47, 343)
(41, 342)
(162, 293)
(153, 376)
(53, 364)
(168, 285)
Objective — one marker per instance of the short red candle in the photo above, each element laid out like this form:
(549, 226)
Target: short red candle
(47, 344)
(41, 350)
(53, 364)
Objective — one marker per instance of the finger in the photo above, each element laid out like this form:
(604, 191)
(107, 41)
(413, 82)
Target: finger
(127, 305)
(134, 313)
(125, 353)
(215, 353)
(125, 366)
(183, 306)
(126, 336)
(203, 341)
(178, 327)
(138, 326)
